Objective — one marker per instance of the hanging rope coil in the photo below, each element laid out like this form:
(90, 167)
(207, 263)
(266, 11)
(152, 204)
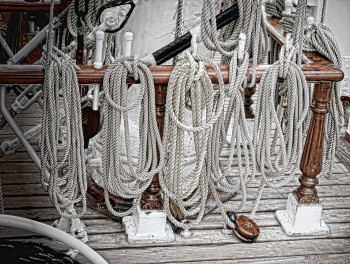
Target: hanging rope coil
(190, 86)
(129, 182)
(278, 131)
(72, 18)
(241, 148)
(69, 188)
(250, 22)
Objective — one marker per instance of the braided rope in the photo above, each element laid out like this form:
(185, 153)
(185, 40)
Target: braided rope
(65, 189)
(189, 85)
(119, 180)
(240, 144)
(275, 8)
(279, 132)
(324, 8)
(179, 23)
(250, 22)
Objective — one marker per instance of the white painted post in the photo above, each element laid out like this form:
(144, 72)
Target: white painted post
(98, 64)
(128, 37)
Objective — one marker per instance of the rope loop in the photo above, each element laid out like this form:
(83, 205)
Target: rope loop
(125, 174)
(198, 78)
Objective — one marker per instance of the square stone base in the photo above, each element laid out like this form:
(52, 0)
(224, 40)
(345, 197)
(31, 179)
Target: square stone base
(302, 219)
(147, 227)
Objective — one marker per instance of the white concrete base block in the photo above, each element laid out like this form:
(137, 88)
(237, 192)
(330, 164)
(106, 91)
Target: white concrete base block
(147, 227)
(302, 219)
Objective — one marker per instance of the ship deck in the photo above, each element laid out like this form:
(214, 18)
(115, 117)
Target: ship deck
(25, 197)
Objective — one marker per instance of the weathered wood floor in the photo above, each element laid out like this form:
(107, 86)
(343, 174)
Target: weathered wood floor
(24, 196)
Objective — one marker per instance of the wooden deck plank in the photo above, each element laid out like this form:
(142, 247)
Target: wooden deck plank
(211, 221)
(224, 252)
(104, 225)
(323, 190)
(342, 178)
(117, 240)
(317, 258)
(265, 205)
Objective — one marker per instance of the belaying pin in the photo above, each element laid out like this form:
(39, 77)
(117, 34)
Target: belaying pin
(246, 229)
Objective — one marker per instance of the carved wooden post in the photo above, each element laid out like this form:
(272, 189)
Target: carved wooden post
(311, 161)
(151, 199)
(303, 215)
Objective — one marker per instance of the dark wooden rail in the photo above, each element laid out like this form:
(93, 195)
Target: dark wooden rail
(34, 74)
(311, 163)
(274, 28)
(25, 6)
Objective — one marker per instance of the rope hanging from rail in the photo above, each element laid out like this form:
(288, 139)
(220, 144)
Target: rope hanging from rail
(320, 39)
(67, 189)
(126, 181)
(189, 87)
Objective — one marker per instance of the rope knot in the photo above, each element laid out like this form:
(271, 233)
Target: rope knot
(286, 57)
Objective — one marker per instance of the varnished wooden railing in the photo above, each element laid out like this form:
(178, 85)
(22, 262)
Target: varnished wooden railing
(312, 159)
(34, 74)
(29, 6)
(322, 75)
(274, 29)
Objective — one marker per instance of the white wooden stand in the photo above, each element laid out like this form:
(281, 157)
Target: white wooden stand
(302, 219)
(147, 227)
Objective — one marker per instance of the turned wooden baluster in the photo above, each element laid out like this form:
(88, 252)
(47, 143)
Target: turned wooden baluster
(311, 161)
(151, 199)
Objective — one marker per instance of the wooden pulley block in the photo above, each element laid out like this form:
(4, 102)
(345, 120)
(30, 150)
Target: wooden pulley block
(246, 229)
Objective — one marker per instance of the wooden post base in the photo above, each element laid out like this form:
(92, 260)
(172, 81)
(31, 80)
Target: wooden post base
(147, 227)
(302, 219)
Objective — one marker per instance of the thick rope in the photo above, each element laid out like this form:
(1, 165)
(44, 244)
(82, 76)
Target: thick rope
(250, 22)
(2, 210)
(241, 149)
(278, 131)
(66, 189)
(129, 182)
(275, 8)
(324, 8)
(189, 85)
(179, 23)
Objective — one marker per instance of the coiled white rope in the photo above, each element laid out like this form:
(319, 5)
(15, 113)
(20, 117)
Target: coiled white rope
(189, 85)
(129, 182)
(275, 8)
(250, 22)
(68, 189)
(278, 131)
(241, 148)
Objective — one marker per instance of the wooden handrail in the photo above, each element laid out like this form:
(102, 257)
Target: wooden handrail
(34, 74)
(274, 29)
(24, 6)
